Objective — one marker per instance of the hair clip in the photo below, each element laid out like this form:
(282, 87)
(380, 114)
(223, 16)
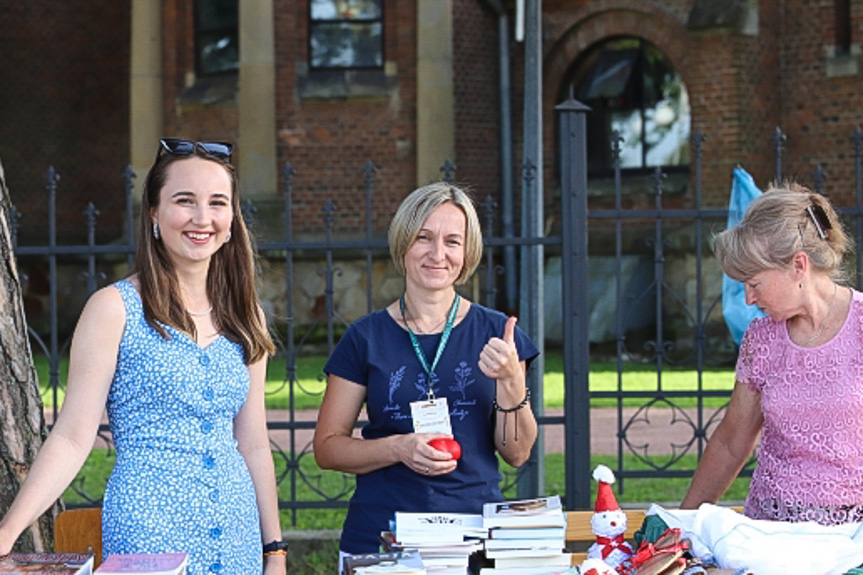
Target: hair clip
(820, 219)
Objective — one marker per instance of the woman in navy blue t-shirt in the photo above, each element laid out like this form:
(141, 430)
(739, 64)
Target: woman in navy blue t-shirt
(429, 345)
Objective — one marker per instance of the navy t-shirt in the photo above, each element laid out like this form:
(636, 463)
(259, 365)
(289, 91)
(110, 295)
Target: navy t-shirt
(377, 352)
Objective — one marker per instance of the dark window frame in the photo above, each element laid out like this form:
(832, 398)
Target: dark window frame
(199, 42)
(842, 26)
(600, 167)
(313, 23)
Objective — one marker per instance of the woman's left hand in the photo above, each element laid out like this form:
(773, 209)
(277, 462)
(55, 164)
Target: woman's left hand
(499, 357)
(275, 565)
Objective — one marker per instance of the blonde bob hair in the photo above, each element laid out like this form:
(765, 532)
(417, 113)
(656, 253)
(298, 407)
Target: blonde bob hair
(782, 221)
(416, 209)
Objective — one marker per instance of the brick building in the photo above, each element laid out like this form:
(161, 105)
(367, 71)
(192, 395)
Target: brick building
(90, 86)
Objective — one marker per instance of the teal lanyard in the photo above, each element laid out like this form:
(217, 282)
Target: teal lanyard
(418, 350)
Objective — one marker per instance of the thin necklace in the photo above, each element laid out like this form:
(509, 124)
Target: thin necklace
(823, 321)
(200, 313)
(416, 325)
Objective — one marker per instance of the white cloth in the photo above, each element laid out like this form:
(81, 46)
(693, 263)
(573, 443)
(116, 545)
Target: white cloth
(732, 540)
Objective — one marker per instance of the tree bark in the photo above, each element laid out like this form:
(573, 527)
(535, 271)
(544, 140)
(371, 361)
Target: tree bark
(22, 422)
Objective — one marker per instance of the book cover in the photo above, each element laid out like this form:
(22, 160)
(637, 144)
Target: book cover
(507, 553)
(529, 571)
(528, 533)
(406, 562)
(413, 529)
(155, 564)
(33, 563)
(438, 522)
(522, 507)
(559, 560)
(537, 512)
(525, 543)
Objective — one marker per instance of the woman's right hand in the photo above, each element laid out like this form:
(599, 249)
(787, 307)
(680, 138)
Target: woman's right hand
(413, 450)
(5, 544)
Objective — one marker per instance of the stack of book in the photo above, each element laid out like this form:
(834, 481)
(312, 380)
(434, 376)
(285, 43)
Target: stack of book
(445, 541)
(526, 537)
(70, 563)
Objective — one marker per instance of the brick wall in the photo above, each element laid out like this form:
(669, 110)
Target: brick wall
(819, 112)
(65, 104)
(327, 139)
(194, 108)
(741, 85)
(477, 100)
(66, 99)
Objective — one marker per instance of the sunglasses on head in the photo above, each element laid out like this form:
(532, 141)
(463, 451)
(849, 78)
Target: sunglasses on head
(177, 147)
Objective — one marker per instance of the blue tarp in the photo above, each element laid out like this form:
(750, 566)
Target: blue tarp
(737, 313)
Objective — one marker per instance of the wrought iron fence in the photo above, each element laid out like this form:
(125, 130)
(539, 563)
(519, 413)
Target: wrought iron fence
(682, 329)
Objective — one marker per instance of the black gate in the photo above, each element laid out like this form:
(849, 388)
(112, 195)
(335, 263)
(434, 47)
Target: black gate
(683, 328)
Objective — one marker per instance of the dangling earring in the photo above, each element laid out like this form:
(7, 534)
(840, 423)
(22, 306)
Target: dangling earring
(156, 231)
(228, 237)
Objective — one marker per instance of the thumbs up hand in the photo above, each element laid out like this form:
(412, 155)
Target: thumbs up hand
(499, 357)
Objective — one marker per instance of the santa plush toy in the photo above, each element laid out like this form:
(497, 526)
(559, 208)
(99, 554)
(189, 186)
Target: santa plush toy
(608, 523)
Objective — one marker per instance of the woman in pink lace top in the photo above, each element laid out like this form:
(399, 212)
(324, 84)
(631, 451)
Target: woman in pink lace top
(799, 380)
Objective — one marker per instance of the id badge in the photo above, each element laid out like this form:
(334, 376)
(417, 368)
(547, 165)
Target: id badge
(431, 416)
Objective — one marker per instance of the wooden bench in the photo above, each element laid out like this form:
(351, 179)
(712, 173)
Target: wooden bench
(578, 529)
(79, 531)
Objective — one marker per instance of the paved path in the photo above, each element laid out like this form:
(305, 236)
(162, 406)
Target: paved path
(660, 432)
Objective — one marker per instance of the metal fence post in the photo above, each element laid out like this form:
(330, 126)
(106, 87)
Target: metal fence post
(531, 478)
(576, 355)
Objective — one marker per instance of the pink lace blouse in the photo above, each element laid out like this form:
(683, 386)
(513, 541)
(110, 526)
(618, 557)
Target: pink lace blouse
(810, 461)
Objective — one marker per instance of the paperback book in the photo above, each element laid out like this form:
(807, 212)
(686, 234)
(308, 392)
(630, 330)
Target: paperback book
(538, 512)
(440, 528)
(403, 562)
(535, 570)
(521, 553)
(528, 533)
(558, 560)
(155, 564)
(30, 563)
(554, 543)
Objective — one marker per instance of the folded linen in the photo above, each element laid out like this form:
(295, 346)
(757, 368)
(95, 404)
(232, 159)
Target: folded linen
(732, 540)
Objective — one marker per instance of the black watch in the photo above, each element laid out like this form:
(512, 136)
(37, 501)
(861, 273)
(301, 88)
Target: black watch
(275, 546)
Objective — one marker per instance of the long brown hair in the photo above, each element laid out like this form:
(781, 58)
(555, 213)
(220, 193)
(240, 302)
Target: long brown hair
(231, 277)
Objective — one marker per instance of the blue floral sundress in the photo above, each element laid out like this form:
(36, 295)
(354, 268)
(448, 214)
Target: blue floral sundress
(179, 483)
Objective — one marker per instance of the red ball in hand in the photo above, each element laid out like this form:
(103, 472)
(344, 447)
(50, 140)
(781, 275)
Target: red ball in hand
(449, 445)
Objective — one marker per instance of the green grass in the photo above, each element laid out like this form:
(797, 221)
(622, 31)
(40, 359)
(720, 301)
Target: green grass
(317, 555)
(94, 475)
(309, 389)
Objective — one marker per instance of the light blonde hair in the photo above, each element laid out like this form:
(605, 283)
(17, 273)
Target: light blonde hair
(776, 226)
(416, 209)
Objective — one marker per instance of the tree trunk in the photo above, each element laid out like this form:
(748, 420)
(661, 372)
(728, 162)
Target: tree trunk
(22, 423)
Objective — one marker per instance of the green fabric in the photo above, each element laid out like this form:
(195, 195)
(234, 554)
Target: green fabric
(652, 529)
(855, 571)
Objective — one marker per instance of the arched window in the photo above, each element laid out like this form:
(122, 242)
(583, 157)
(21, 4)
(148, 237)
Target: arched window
(632, 88)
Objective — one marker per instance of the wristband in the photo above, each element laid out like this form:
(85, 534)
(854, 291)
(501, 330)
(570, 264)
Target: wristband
(506, 411)
(275, 546)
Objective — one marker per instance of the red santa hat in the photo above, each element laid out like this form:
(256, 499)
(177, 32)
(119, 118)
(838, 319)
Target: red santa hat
(605, 500)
